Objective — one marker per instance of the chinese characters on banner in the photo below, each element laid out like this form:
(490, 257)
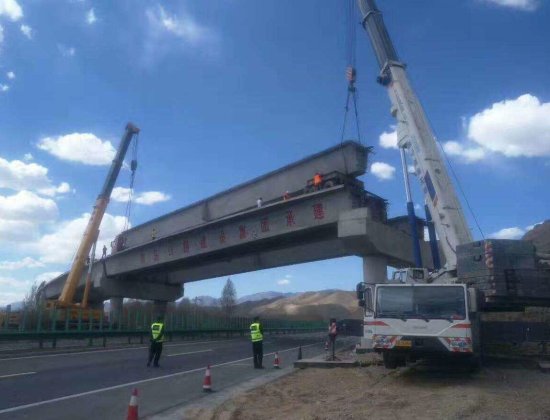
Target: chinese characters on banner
(318, 213)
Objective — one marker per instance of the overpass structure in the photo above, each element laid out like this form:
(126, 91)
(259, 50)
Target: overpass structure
(228, 234)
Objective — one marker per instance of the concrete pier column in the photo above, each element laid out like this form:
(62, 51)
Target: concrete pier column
(115, 312)
(159, 309)
(375, 270)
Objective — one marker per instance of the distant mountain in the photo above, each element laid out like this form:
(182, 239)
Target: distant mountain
(263, 295)
(315, 306)
(206, 301)
(540, 236)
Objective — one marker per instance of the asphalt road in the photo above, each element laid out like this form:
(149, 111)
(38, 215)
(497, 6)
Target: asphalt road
(97, 384)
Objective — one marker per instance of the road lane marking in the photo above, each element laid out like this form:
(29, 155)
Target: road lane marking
(142, 381)
(189, 352)
(17, 374)
(73, 353)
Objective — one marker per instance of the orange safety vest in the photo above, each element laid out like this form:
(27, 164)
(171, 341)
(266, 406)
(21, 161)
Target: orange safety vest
(317, 179)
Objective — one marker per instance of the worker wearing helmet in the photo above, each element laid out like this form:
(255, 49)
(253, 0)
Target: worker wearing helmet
(257, 337)
(317, 181)
(157, 337)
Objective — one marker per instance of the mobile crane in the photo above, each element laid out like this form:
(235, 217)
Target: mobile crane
(87, 243)
(420, 313)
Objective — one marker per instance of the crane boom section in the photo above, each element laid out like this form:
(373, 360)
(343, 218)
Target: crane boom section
(415, 134)
(92, 229)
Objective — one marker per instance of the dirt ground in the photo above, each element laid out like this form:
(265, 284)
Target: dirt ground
(499, 391)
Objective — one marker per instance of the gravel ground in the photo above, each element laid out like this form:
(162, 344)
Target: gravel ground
(499, 391)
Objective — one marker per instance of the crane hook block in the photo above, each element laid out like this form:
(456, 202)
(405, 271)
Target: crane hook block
(133, 165)
(351, 74)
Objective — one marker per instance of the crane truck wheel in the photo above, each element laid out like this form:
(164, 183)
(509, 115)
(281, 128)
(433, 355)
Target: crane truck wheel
(390, 361)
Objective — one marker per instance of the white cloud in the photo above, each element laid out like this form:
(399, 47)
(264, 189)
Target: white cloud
(28, 157)
(530, 227)
(388, 140)
(13, 231)
(47, 276)
(79, 147)
(10, 75)
(121, 195)
(528, 5)
(22, 214)
(4, 88)
(60, 245)
(26, 262)
(516, 127)
(27, 31)
(167, 32)
(62, 188)
(18, 175)
(27, 206)
(151, 197)
(66, 51)
(284, 281)
(468, 155)
(90, 17)
(184, 26)
(11, 9)
(1, 35)
(382, 171)
(508, 233)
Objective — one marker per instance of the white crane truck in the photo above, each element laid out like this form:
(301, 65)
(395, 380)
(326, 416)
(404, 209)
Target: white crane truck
(448, 311)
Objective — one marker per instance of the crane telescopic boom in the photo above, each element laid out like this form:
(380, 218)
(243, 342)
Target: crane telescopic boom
(92, 229)
(415, 134)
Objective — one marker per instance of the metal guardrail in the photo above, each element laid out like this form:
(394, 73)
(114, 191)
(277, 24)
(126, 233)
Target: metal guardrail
(143, 335)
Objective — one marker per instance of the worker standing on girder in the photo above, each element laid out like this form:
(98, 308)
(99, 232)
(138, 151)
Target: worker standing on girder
(257, 337)
(317, 181)
(157, 337)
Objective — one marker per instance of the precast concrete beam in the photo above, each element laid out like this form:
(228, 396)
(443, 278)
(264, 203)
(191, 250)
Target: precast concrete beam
(363, 236)
(348, 158)
(129, 287)
(262, 259)
(225, 236)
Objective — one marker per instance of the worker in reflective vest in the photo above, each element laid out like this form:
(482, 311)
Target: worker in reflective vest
(157, 337)
(257, 337)
(317, 181)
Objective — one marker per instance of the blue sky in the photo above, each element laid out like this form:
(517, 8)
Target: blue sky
(227, 90)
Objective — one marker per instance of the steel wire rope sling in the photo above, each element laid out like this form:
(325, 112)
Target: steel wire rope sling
(133, 168)
(351, 73)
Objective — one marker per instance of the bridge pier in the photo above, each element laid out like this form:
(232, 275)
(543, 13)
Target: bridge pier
(375, 269)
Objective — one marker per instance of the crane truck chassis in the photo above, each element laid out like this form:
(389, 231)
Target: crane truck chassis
(408, 318)
(453, 310)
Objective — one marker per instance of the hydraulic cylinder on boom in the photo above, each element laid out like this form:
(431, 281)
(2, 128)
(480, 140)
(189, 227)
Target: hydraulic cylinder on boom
(92, 229)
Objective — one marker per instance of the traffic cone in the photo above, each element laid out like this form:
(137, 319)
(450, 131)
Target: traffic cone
(207, 383)
(276, 361)
(133, 406)
(300, 353)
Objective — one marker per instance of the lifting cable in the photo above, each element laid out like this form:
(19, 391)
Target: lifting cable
(133, 167)
(351, 73)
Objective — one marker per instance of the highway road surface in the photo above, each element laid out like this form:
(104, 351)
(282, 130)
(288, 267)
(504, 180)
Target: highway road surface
(97, 384)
